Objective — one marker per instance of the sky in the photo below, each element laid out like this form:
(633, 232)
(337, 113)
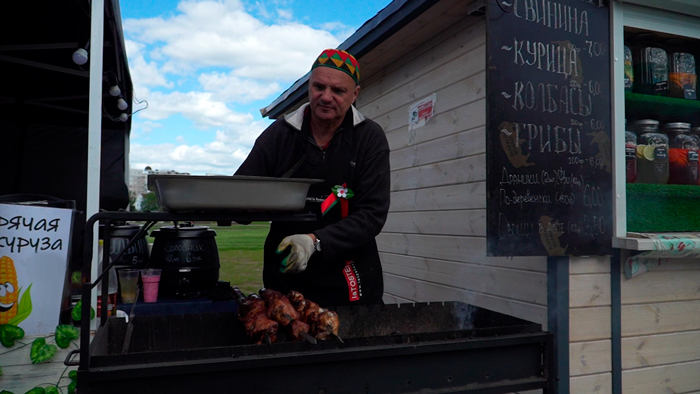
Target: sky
(202, 70)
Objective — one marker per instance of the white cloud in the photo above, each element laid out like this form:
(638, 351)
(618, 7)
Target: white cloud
(199, 107)
(285, 14)
(140, 129)
(236, 89)
(224, 35)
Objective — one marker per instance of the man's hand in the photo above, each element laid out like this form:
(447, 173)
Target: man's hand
(302, 249)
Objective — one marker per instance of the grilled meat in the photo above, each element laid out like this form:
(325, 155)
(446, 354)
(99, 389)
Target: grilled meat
(252, 305)
(295, 298)
(295, 330)
(300, 317)
(257, 325)
(279, 308)
(326, 325)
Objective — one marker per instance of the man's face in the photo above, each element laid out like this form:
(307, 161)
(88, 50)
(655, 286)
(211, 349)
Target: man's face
(331, 92)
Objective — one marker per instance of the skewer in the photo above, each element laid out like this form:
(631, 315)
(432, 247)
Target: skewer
(338, 338)
(308, 338)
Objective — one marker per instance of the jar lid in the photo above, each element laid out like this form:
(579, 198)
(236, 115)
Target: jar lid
(676, 125)
(645, 122)
(645, 125)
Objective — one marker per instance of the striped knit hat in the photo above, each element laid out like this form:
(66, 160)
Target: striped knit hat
(339, 60)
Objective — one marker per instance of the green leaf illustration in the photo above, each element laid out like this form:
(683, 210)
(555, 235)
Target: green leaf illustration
(41, 351)
(24, 307)
(76, 313)
(9, 333)
(64, 334)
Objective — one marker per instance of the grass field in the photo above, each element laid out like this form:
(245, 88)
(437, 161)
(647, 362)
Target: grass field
(241, 254)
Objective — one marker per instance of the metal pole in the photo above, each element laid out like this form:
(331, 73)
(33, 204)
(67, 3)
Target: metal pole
(95, 127)
(558, 318)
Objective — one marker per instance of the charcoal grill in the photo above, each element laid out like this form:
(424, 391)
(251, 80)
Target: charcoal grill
(448, 347)
(443, 347)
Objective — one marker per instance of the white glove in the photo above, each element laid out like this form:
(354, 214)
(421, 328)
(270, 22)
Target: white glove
(302, 249)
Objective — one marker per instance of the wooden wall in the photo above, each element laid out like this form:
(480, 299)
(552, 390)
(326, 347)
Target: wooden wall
(661, 330)
(590, 352)
(433, 246)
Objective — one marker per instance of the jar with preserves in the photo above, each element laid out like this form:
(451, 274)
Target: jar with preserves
(682, 74)
(683, 154)
(631, 156)
(696, 131)
(650, 66)
(652, 152)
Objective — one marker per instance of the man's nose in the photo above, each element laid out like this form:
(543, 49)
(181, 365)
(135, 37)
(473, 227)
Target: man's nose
(326, 95)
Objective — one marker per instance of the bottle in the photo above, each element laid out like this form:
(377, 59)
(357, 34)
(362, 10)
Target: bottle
(113, 284)
(631, 156)
(652, 152)
(683, 154)
(650, 66)
(682, 76)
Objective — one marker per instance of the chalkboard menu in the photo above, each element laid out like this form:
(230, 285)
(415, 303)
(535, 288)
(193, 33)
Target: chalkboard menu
(549, 151)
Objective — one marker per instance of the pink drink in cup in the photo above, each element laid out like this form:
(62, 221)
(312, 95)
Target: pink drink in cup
(150, 278)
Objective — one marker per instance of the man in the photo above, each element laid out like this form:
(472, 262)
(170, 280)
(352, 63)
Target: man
(334, 260)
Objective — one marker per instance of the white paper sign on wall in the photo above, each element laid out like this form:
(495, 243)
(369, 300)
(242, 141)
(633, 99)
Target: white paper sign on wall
(34, 245)
(420, 112)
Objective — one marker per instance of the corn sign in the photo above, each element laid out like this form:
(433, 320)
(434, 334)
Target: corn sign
(34, 243)
(9, 290)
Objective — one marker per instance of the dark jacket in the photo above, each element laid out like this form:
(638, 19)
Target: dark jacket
(347, 270)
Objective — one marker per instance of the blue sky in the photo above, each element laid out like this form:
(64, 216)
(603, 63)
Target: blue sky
(203, 69)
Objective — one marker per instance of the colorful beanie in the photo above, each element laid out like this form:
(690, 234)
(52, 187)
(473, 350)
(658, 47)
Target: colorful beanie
(339, 60)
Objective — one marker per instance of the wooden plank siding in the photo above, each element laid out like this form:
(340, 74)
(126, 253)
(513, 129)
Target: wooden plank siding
(590, 347)
(661, 329)
(433, 246)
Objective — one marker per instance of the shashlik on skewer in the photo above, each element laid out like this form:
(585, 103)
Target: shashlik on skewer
(301, 319)
(324, 323)
(253, 314)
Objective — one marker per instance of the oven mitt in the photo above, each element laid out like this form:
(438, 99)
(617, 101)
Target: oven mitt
(302, 249)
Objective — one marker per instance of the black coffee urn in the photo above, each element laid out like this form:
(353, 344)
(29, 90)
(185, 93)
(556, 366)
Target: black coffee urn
(188, 257)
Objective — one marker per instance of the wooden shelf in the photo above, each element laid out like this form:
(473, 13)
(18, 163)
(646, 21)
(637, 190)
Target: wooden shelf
(633, 243)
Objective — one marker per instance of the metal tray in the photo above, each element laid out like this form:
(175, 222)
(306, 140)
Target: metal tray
(193, 193)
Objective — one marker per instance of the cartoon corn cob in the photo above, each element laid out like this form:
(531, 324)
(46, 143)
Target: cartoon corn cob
(9, 290)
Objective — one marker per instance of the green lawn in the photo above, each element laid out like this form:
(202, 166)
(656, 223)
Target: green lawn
(240, 253)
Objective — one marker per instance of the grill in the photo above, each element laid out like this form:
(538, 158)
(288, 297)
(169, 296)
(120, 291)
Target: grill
(426, 348)
(445, 347)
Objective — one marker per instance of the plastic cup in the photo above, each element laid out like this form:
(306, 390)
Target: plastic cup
(128, 279)
(150, 278)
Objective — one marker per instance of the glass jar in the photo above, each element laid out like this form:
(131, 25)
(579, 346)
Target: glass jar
(629, 72)
(696, 130)
(631, 156)
(652, 152)
(682, 76)
(683, 154)
(650, 66)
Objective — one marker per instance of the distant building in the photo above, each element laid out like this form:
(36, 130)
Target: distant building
(138, 179)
